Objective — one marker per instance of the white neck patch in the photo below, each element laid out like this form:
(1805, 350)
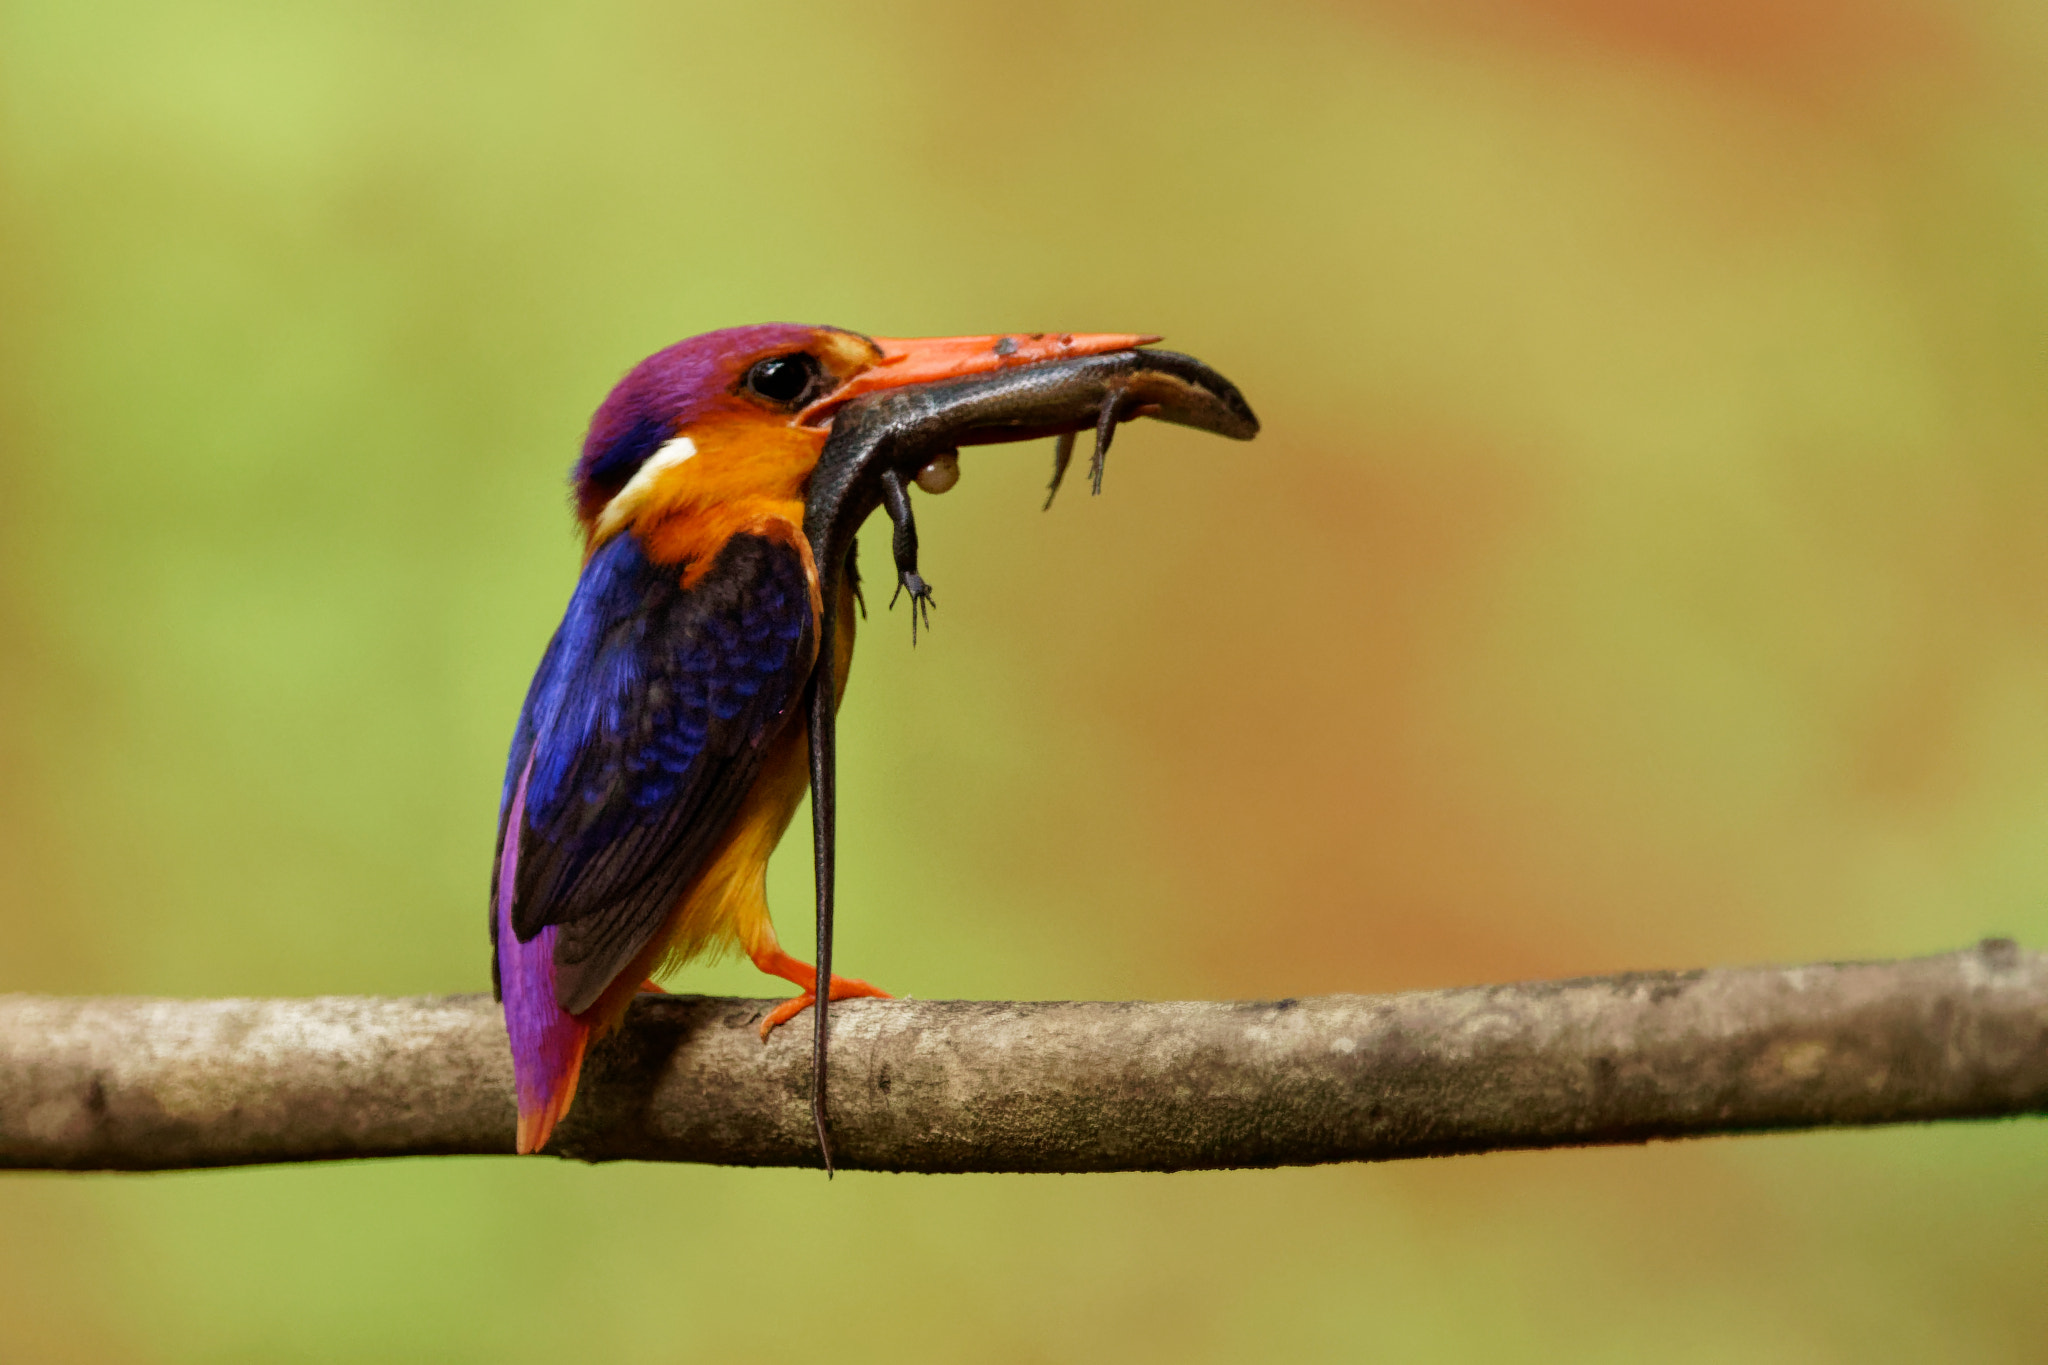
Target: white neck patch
(621, 507)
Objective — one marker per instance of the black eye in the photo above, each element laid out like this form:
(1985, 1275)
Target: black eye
(783, 379)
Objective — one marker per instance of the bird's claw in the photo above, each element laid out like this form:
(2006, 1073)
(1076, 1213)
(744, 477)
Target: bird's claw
(843, 988)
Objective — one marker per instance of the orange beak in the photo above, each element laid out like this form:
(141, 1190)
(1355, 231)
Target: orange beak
(929, 360)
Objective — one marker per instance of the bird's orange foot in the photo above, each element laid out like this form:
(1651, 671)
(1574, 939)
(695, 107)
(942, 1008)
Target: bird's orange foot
(843, 988)
(775, 962)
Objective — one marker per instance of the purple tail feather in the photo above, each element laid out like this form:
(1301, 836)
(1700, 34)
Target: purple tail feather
(547, 1041)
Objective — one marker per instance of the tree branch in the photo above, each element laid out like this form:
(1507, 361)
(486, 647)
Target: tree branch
(144, 1084)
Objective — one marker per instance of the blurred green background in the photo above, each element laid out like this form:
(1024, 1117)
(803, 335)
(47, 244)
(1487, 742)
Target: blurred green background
(1643, 566)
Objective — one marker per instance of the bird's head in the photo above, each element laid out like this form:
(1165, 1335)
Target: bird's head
(744, 412)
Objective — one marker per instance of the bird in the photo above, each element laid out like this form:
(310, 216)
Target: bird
(659, 755)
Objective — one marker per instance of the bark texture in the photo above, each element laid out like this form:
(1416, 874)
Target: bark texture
(147, 1084)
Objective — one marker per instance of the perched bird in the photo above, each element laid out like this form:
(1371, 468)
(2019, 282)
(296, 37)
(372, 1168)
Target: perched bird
(661, 750)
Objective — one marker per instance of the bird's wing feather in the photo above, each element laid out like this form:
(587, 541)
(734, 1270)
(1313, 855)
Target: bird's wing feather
(645, 727)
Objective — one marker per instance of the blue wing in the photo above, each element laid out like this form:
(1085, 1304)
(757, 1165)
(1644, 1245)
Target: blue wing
(646, 725)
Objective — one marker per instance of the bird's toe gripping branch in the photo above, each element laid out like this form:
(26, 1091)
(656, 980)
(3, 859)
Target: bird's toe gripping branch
(775, 962)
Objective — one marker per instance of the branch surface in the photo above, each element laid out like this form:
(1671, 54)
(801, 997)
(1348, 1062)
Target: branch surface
(119, 1083)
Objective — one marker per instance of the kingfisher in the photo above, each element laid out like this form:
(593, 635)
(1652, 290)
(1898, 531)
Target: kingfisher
(685, 704)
